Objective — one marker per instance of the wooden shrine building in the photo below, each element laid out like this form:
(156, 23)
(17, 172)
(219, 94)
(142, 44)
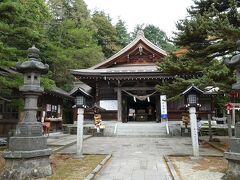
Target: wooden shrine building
(125, 83)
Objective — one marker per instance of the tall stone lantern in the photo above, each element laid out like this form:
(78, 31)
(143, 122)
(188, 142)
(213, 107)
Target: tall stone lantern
(28, 155)
(233, 154)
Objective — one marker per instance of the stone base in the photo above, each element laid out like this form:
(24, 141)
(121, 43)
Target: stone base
(27, 143)
(233, 172)
(31, 168)
(29, 129)
(235, 144)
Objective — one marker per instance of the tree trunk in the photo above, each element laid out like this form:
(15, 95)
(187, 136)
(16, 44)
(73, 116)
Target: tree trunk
(210, 127)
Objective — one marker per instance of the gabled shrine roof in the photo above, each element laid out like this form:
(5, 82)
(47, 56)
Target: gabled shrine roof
(139, 58)
(140, 38)
(59, 92)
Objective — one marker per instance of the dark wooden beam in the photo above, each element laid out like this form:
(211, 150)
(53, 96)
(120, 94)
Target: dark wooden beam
(135, 88)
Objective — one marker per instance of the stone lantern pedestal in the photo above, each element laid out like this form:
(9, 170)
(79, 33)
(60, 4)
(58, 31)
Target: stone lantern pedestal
(233, 156)
(28, 155)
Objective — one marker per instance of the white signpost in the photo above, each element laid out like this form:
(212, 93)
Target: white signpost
(164, 116)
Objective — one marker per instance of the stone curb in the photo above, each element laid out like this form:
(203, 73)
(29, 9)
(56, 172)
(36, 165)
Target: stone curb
(67, 145)
(98, 168)
(171, 168)
(214, 146)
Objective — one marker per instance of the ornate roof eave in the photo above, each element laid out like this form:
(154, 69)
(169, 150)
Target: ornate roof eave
(77, 73)
(125, 76)
(59, 92)
(130, 74)
(5, 99)
(139, 37)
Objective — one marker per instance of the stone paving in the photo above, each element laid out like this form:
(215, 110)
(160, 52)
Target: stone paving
(138, 158)
(57, 141)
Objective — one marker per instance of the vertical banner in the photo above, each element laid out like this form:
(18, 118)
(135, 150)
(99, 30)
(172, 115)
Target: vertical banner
(163, 101)
(164, 116)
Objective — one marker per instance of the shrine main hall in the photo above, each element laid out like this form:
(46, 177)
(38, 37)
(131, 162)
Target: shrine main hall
(124, 84)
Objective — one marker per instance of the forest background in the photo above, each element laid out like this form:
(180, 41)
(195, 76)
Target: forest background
(71, 37)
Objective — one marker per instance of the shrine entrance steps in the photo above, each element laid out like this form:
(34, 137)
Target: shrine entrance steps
(140, 129)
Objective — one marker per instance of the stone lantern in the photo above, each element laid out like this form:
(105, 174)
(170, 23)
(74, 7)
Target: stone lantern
(191, 100)
(28, 155)
(80, 103)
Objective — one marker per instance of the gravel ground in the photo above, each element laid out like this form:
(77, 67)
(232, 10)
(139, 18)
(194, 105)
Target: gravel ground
(206, 168)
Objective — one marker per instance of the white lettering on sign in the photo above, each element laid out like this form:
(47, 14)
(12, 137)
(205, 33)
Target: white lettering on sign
(163, 101)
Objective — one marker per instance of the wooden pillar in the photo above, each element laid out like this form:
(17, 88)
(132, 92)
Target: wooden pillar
(157, 108)
(97, 98)
(119, 98)
(124, 109)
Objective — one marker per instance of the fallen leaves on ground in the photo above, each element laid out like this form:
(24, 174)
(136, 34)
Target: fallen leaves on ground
(67, 168)
(214, 164)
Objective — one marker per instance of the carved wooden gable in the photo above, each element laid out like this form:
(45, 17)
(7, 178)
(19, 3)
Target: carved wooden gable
(139, 51)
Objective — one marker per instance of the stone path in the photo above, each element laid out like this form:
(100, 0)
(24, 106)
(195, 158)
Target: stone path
(57, 141)
(137, 158)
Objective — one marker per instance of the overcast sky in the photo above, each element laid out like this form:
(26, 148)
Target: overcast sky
(161, 13)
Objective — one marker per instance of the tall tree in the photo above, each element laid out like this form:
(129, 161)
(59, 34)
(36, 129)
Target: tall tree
(122, 34)
(76, 10)
(21, 25)
(106, 34)
(208, 36)
(71, 43)
(155, 35)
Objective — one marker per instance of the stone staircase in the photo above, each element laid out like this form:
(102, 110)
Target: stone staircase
(141, 129)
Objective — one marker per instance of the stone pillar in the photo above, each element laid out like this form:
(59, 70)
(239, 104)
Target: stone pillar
(119, 98)
(194, 131)
(28, 155)
(233, 116)
(80, 117)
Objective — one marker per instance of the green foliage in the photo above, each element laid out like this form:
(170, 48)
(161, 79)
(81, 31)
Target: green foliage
(18, 104)
(70, 41)
(155, 35)
(47, 83)
(106, 34)
(122, 34)
(208, 35)
(21, 26)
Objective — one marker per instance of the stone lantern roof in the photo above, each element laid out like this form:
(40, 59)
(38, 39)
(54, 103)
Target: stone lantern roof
(33, 64)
